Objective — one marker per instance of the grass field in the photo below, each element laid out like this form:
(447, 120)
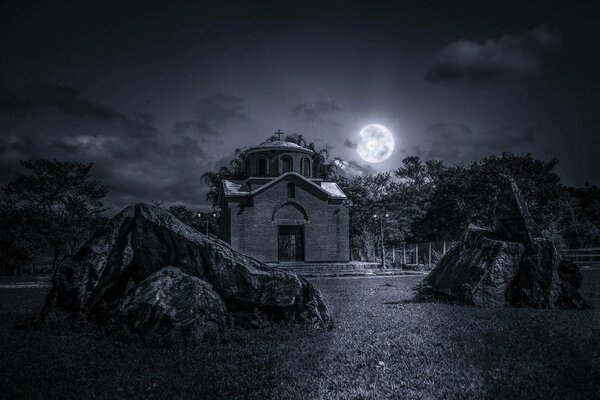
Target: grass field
(382, 347)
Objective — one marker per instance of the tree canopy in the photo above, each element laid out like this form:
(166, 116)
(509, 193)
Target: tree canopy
(464, 194)
(58, 203)
(429, 201)
(54, 206)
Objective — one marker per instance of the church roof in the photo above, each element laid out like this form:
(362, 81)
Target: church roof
(278, 145)
(240, 188)
(333, 189)
(235, 188)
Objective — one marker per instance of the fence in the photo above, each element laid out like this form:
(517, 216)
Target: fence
(426, 255)
(412, 256)
(419, 255)
(589, 256)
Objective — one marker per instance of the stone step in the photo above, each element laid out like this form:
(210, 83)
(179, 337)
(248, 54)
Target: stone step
(366, 272)
(325, 266)
(342, 269)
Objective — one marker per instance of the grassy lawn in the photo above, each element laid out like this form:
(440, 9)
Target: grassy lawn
(382, 347)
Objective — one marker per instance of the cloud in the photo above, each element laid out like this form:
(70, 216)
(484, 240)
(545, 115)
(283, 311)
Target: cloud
(211, 114)
(509, 58)
(350, 144)
(137, 161)
(9, 101)
(70, 102)
(352, 168)
(315, 112)
(457, 142)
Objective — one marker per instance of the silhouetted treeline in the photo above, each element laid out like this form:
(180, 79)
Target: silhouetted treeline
(53, 207)
(434, 202)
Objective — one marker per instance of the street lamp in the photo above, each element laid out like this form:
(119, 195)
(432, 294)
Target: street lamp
(207, 215)
(381, 217)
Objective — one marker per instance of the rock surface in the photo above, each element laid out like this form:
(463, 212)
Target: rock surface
(169, 306)
(512, 221)
(505, 266)
(98, 272)
(125, 261)
(477, 271)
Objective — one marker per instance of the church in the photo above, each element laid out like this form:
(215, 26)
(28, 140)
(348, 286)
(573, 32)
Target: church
(280, 212)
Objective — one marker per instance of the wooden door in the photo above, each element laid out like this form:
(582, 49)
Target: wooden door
(291, 243)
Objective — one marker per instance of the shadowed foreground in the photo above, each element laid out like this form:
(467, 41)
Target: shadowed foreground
(382, 346)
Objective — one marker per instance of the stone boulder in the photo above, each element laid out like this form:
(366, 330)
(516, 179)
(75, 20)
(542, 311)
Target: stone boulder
(124, 263)
(536, 282)
(477, 271)
(244, 283)
(509, 265)
(512, 220)
(98, 272)
(169, 306)
(570, 281)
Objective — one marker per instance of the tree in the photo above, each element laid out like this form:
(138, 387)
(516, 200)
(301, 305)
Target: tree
(366, 197)
(323, 167)
(236, 170)
(58, 203)
(202, 222)
(419, 182)
(467, 194)
(581, 217)
(383, 207)
(20, 240)
(186, 215)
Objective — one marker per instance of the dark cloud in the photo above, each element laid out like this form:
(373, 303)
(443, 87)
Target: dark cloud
(10, 102)
(280, 61)
(137, 161)
(212, 114)
(315, 112)
(69, 101)
(508, 58)
(457, 142)
(350, 144)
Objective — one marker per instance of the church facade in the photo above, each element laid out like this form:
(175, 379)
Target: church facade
(280, 213)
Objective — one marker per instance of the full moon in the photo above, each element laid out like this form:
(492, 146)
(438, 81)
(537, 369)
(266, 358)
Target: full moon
(376, 143)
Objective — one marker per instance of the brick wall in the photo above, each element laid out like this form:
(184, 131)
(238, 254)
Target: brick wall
(254, 230)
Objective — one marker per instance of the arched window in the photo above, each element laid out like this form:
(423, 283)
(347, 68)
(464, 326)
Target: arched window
(306, 167)
(262, 167)
(286, 164)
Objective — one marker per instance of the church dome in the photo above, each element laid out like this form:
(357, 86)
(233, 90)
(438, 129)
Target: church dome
(278, 145)
(276, 157)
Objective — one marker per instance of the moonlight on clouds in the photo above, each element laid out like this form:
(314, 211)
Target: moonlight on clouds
(376, 143)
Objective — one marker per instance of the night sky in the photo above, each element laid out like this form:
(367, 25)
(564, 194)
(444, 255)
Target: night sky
(157, 94)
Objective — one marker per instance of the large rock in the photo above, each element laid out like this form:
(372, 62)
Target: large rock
(138, 244)
(98, 272)
(509, 265)
(570, 281)
(512, 220)
(477, 271)
(537, 282)
(244, 283)
(169, 306)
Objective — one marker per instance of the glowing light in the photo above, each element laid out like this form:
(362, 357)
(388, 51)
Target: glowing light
(376, 143)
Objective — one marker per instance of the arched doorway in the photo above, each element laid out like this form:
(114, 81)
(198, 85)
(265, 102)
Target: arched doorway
(290, 218)
(290, 242)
